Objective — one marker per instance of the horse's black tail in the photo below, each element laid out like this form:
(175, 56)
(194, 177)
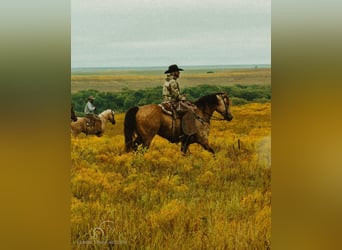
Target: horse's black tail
(130, 128)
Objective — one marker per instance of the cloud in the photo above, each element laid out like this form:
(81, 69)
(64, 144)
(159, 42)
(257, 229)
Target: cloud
(143, 27)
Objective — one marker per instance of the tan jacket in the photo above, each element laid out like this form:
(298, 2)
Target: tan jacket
(171, 89)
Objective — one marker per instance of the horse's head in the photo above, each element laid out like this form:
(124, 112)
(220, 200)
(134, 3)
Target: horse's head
(223, 106)
(111, 117)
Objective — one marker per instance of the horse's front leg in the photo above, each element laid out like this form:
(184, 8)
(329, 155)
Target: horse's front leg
(185, 143)
(207, 147)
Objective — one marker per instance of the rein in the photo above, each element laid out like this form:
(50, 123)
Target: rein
(211, 117)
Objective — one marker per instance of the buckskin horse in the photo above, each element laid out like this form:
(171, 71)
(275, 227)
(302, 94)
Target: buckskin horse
(141, 124)
(80, 126)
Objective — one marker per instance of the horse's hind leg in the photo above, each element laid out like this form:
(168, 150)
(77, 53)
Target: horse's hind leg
(138, 141)
(144, 140)
(147, 142)
(73, 133)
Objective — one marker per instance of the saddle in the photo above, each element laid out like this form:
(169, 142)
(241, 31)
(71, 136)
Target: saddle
(183, 110)
(176, 108)
(167, 108)
(93, 123)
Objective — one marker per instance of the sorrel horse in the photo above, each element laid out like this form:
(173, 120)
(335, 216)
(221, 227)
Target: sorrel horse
(143, 123)
(80, 126)
(73, 114)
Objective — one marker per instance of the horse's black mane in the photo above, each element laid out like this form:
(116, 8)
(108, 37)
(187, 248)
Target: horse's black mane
(210, 100)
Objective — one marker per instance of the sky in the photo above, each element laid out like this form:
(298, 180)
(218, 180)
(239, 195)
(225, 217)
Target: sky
(134, 33)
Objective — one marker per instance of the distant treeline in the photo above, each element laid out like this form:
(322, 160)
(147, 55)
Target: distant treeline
(125, 99)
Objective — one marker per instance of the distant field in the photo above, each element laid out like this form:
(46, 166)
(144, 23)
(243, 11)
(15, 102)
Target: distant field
(114, 80)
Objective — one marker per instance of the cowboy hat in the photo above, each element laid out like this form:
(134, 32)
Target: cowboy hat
(173, 68)
(91, 98)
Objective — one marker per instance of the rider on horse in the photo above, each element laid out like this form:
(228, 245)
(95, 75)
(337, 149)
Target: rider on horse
(94, 122)
(177, 102)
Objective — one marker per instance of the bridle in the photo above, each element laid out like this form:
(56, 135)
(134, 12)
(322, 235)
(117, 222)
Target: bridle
(212, 117)
(225, 106)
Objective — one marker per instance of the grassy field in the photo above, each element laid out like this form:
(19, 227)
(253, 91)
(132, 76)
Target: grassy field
(160, 199)
(114, 80)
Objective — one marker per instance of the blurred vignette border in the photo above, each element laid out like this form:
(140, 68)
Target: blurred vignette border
(306, 157)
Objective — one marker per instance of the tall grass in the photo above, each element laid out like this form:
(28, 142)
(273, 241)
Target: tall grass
(160, 199)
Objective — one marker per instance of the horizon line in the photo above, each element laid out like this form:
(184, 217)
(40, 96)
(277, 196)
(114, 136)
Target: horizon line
(193, 65)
